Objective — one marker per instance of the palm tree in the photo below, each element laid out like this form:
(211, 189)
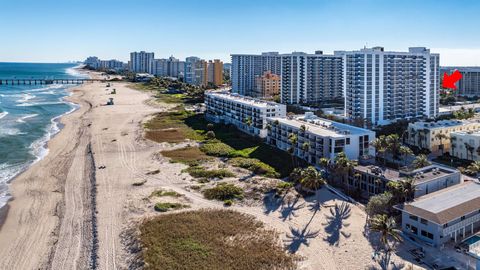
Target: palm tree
(393, 144)
(441, 137)
(381, 146)
(386, 226)
(323, 162)
(396, 189)
(474, 168)
(310, 179)
(293, 139)
(248, 121)
(305, 148)
(420, 161)
(405, 152)
(409, 188)
(343, 166)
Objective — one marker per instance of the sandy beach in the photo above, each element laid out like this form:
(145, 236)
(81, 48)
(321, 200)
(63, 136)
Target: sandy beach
(72, 210)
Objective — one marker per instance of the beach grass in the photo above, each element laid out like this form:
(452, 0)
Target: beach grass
(188, 155)
(178, 125)
(254, 165)
(211, 239)
(201, 172)
(223, 191)
(166, 206)
(165, 193)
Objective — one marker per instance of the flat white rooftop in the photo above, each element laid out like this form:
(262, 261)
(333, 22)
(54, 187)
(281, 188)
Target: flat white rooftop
(441, 124)
(254, 102)
(321, 126)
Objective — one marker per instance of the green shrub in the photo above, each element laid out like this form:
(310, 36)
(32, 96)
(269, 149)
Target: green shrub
(200, 172)
(210, 135)
(223, 191)
(165, 206)
(284, 185)
(163, 193)
(228, 202)
(217, 149)
(255, 166)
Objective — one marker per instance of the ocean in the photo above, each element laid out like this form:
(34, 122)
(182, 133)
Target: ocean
(29, 116)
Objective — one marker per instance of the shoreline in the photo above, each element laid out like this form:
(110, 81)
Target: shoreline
(51, 131)
(57, 219)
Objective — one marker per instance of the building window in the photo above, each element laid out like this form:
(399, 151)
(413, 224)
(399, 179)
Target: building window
(412, 217)
(462, 218)
(427, 234)
(423, 221)
(347, 141)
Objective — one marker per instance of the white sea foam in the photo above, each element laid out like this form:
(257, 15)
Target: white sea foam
(8, 131)
(25, 97)
(29, 104)
(23, 118)
(3, 114)
(73, 71)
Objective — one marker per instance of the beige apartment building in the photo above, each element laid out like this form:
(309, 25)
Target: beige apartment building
(435, 136)
(215, 72)
(267, 86)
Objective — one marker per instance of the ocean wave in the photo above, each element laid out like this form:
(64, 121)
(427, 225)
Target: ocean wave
(30, 104)
(3, 114)
(8, 172)
(39, 147)
(4, 132)
(73, 71)
(25, 97)
(23, 118)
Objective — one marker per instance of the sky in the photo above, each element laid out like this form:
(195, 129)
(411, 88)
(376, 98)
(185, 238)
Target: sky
(68, 30)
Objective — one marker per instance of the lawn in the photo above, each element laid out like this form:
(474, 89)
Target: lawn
(211, 239)
(243, 145)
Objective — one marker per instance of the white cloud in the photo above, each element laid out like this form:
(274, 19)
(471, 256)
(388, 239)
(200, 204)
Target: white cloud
(458, 57)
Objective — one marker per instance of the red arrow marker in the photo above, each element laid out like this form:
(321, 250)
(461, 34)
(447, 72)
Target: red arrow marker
(450, 80)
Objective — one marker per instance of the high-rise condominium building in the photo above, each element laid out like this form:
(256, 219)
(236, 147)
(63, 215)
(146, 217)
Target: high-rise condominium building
(159, 67)
(140, 62)
(176, 68)
(381, 87)
(311, 78)
(469, 84)
(305, 78)
(267, 86)
(215, 72)
(246, 67)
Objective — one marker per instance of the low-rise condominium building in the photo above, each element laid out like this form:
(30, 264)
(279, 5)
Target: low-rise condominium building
(370, 180)
(319, 138)
(451, 214)
(466, 144)
(436, 136)
(246, 113)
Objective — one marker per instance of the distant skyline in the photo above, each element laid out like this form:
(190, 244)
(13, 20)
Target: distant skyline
(60, 31)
